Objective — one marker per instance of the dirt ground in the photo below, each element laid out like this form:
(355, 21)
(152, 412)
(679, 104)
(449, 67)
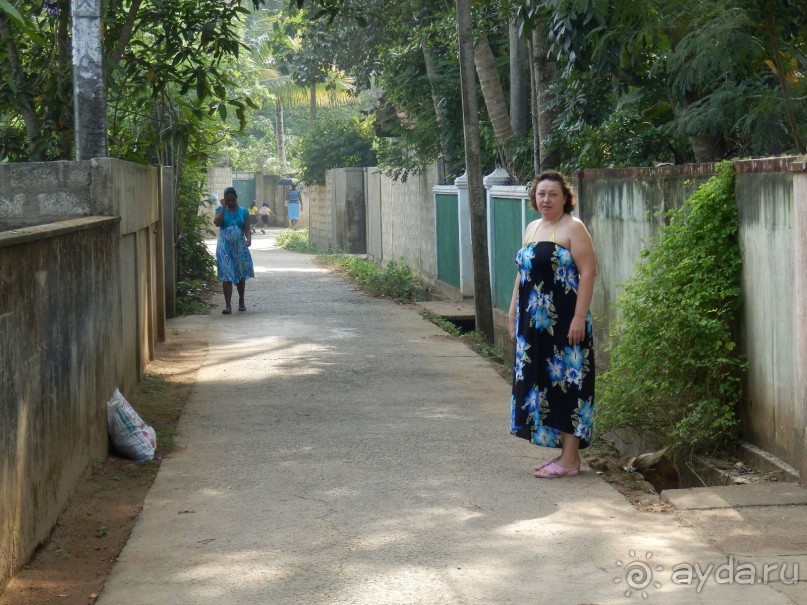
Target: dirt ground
(70, 567)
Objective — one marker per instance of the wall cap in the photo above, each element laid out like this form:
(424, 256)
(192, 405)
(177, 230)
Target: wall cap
(23, 235)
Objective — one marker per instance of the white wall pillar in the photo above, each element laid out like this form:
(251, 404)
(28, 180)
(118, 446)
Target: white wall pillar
(466, 254)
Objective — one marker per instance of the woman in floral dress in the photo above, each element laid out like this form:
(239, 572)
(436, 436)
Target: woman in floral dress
(233, 260)
(552, 403)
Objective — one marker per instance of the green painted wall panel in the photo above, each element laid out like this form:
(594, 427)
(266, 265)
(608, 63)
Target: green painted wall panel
(448, 239)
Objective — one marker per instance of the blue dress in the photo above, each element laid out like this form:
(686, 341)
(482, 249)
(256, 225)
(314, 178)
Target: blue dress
(233, 260)
(294, 204)
(553, 382)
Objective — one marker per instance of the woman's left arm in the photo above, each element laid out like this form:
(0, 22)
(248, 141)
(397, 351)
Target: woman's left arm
(247, 229)
(582, 248)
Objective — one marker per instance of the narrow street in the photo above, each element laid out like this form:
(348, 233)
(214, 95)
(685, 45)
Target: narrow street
(339, 449)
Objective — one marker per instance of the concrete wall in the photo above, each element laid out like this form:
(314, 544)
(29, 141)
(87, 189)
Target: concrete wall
(623, 210)
(375, 219)
(60, 344)
(319, 216)
(79, 316)
(772, 412)
(407, 222)
(218, 179)
(799, 306)
(398, 217)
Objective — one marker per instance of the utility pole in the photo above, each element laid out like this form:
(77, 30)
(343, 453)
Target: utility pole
(89, 89)
(483, 308)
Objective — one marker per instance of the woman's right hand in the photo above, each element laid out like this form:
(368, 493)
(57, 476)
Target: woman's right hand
(511, 326)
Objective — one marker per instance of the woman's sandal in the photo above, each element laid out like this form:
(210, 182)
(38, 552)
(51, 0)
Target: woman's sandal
(553, 470)
(547, 463)
(242, 307)
(226, 311)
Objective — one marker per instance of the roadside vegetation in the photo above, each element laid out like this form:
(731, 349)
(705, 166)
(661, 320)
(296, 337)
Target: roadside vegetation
(676, 373)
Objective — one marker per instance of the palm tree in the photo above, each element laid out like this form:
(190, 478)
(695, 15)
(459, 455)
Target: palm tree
(337, 90)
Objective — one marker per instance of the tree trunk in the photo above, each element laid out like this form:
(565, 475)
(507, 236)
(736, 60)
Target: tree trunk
(473, 163)
(519, 82)
(66, 128)
(89, 91)
(493, 94)
(545, 72)
(312, 102)
(280, 135)
(431, 74)
(535, 113)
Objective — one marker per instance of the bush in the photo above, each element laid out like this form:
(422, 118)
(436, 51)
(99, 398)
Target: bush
(395, 280)
(195, 265)
(675, 370)
(295, 240)
(334, 143)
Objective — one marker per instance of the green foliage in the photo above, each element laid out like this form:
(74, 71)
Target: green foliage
(296, 240)
(195, 265)
(334, 143)
(395, 280)
(442, 323)
(675, 371)
(474, 339)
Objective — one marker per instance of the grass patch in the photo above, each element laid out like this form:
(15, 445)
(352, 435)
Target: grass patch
(296, 240)
(192, 295)
(395, 280)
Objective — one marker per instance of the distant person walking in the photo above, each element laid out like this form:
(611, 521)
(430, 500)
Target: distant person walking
(264, 212)
(233, 260)
(253, 216)
(294, 203)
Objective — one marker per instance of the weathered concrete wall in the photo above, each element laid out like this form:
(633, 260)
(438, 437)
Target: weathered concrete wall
(218, 179)
(772, 414)
(79, 316)
(619, 208)
(43, 192)
(60, 359)
(375, 219)
(398, 223)
(132, 192)
(799, 307)
(319, 217)
(407, 223)
(623, 210)
(349, 210)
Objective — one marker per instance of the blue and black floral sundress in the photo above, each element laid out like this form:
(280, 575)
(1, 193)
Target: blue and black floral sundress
(553, 382)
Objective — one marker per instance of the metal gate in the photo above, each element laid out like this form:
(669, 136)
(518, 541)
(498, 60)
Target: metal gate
(244, 184)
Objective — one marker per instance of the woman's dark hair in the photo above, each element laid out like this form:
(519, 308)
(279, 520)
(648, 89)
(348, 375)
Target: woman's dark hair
(231, 190)
(566, 187)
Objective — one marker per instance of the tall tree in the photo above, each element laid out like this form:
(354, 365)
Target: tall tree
(482, 295)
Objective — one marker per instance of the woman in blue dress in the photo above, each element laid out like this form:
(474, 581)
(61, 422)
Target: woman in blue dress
(294, 203)
(233, 260)
(552, 403)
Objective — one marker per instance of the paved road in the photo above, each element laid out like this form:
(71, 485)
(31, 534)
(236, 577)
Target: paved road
(339, 449)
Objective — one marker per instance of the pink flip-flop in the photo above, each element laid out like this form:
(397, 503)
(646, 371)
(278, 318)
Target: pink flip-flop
(547, 463)
(553, 470)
